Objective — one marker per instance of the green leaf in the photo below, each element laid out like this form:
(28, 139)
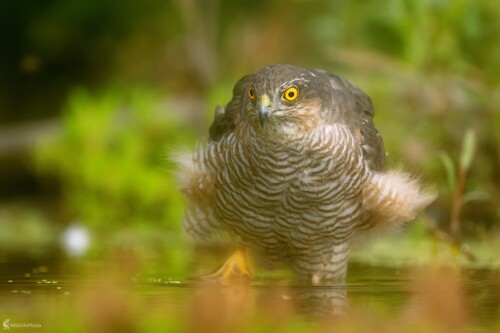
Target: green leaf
(468, 149)
(449, 168)
(476, 196)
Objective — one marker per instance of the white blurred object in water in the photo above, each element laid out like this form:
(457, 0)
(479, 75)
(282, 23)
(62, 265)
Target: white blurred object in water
(75, 240)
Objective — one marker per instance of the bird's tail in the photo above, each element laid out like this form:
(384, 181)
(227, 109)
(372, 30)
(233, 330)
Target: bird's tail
(390, 200)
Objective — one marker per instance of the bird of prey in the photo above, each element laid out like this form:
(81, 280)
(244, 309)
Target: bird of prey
(294, 171)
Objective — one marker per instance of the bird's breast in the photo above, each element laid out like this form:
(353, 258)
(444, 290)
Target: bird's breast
(262, 176)
(264, 188)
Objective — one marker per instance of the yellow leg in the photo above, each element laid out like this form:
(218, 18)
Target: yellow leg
(234, 270)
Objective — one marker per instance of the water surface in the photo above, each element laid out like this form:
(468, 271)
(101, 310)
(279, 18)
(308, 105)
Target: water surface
(107, 296)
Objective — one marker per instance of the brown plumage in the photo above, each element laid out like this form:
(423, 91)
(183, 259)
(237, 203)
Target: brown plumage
(294, 170)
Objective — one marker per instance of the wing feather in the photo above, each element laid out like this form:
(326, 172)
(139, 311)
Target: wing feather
(359, 117)
(226, 118)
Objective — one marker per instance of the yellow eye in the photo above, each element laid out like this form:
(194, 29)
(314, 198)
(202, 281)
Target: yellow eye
(251, 93)
(291, 94)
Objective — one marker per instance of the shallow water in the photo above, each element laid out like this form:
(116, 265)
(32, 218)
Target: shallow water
(103, 296)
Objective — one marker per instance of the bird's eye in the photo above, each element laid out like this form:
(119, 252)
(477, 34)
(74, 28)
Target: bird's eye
(251, 93)
(291, 94)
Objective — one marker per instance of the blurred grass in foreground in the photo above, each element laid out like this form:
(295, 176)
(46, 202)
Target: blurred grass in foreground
(119, 294)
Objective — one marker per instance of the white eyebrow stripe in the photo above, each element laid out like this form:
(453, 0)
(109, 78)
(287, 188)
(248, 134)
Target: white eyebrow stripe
(291, 82)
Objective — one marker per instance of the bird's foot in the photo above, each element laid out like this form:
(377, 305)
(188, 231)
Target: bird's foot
(234, 271)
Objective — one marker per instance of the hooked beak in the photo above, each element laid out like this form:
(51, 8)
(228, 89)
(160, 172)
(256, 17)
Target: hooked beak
(265, 109)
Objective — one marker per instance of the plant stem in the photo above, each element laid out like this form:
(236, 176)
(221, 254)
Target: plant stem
(450, 239)
(457, 203)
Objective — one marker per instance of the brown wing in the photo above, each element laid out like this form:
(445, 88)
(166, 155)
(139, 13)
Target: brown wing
(356, 111)
(225, 118)
(372, 143)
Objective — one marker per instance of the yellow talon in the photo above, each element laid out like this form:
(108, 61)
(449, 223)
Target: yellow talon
(234, 270)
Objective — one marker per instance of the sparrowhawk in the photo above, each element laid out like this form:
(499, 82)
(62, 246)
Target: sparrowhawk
(294, 170)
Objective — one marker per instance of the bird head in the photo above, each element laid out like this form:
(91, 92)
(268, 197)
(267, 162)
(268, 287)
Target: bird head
(282, 100)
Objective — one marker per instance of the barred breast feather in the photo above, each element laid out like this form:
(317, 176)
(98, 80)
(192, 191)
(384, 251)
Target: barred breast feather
(296, 202)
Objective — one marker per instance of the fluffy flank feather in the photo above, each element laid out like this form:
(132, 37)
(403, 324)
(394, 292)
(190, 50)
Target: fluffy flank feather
(390, 200)
(185, 170)
(195, 184)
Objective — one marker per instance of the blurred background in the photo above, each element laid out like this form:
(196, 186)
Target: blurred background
(95, 94)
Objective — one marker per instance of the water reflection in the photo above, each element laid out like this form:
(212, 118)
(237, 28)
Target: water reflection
(227, 308)
(323, 301)
(107, 298)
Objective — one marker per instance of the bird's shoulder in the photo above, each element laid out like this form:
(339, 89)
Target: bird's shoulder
(358, 112)
(227, 117)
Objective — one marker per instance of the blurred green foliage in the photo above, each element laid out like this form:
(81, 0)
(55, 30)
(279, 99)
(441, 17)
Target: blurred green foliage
(432, 69)
(445, 36)
(25, 232)
(111, 159)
